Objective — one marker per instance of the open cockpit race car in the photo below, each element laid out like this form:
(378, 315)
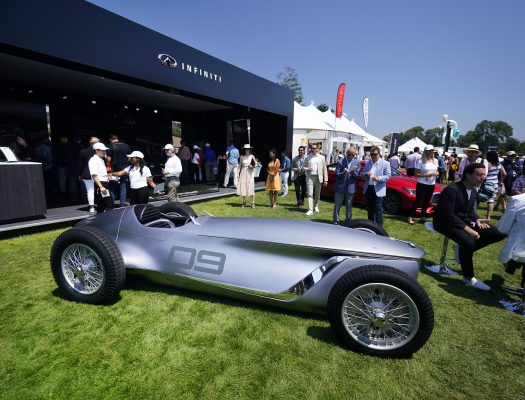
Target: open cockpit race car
(363, 281)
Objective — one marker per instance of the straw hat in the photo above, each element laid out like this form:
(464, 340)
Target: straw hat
(428, 147)
(511, 153)
(247, 146)
(472, 147)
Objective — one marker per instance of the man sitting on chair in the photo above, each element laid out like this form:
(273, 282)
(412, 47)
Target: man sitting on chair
(456, 218)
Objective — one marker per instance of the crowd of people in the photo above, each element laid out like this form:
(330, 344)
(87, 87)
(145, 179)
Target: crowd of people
(117, 170)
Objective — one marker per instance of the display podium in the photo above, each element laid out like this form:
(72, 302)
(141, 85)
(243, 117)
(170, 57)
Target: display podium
(22, 194)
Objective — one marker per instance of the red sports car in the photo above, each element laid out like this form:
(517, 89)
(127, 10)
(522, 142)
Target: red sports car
(400, 192)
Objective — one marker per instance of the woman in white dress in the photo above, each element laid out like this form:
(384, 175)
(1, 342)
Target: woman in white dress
(426, 172)
(246, 185)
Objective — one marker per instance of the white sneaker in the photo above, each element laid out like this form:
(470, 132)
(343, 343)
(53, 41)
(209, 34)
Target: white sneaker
(475, 284)
(309, 212)
(316, 209)
(92, 209)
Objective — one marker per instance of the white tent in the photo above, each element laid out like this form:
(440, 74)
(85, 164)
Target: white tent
(305, 118)
(411, 144)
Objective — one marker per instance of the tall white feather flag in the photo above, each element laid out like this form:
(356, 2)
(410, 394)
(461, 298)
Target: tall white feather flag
(365, 112)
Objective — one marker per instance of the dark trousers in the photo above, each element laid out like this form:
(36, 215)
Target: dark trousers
(374, 205)
(300, 188)
(185, 175)
(423, 195)
(103, 203)
(468, 245)
(139, 196)
(411, 171)
(121, 186)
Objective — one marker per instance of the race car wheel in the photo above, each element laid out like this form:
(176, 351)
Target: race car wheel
(87, 265)
(380, 311)
(366, 225)
(392, 202)
(177, 209)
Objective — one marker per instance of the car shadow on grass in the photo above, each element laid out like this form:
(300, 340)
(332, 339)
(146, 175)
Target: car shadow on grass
(57, 292)
(141, 284)
(454, 286)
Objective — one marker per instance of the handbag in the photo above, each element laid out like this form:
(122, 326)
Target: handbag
(486, 191)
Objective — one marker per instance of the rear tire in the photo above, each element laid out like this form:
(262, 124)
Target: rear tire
(87, 265)
(177, 209)
(380, 311)
(366, 225)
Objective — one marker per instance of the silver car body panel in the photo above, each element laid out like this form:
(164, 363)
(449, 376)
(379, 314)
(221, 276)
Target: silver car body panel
(286, 263)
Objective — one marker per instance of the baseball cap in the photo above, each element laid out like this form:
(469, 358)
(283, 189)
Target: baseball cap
(168, 147)
(137, 154)
(100, 146)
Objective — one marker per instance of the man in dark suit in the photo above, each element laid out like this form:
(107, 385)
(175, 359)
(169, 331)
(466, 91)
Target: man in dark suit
(346, 171)
(456, 218)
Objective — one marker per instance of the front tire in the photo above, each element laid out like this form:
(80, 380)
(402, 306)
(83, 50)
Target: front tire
(380, 311)
(392, 202)
(87, 266)
(366, 225)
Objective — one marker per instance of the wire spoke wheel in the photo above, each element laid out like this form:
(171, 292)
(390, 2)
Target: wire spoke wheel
(380, 316)
(82, 268)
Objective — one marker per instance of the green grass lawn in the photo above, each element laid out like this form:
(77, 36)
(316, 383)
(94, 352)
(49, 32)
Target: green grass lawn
(158, 342)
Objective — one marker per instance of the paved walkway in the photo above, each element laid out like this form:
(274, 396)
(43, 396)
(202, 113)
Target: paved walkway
(67, 216)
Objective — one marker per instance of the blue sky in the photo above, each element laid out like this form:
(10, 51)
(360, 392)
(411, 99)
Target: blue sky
(415, 60)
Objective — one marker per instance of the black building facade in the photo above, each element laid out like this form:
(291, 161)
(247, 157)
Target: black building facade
(69, 67)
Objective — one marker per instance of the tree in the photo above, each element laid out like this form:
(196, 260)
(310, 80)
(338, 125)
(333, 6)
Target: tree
(416, 131)
(433, 136)
(289, 79)
(323, 107)
(488, 133)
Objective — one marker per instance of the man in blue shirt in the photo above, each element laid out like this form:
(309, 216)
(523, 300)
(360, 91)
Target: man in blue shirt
(210, 163)
(286, 164)
(232, 164)
(346, 171)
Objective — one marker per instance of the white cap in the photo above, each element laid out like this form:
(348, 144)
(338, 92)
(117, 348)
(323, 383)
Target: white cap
(207, 145)
(168, 147)
(195, 147)
(137, 154)
(100, 146)
(428, 147)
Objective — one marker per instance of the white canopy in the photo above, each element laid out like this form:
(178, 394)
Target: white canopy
(306, 118)
(411, 144)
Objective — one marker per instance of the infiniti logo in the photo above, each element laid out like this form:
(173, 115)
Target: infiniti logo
(167, 60)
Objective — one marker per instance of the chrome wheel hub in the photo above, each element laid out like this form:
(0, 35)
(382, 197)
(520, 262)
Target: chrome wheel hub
(82, 269)
(380, 316)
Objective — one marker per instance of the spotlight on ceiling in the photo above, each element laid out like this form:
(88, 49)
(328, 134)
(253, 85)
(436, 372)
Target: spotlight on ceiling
(138, 109)
(64, 97)
(93, 102)
(155, 111)
(126, 107)
(30, 91)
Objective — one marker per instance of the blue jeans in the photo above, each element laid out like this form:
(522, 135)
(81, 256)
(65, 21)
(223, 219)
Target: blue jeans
(339, 199)
(374, 205)
(122, 187)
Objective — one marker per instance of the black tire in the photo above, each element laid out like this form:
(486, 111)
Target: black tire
(366, 225)
(392, 202)
(94, 272)
(375, 294)
(177, 209)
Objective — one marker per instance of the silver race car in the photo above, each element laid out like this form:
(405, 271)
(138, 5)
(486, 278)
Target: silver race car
(364, 282)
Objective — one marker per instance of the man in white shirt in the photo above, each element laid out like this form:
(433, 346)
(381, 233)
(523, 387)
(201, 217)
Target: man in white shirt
(473, 156)
(394, 162)
(99, 174)
(316, 175)
(411, 161)
(172, 170)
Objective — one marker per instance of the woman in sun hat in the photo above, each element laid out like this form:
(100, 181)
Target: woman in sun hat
(426, 171)
(245, 184)
(139, 178)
